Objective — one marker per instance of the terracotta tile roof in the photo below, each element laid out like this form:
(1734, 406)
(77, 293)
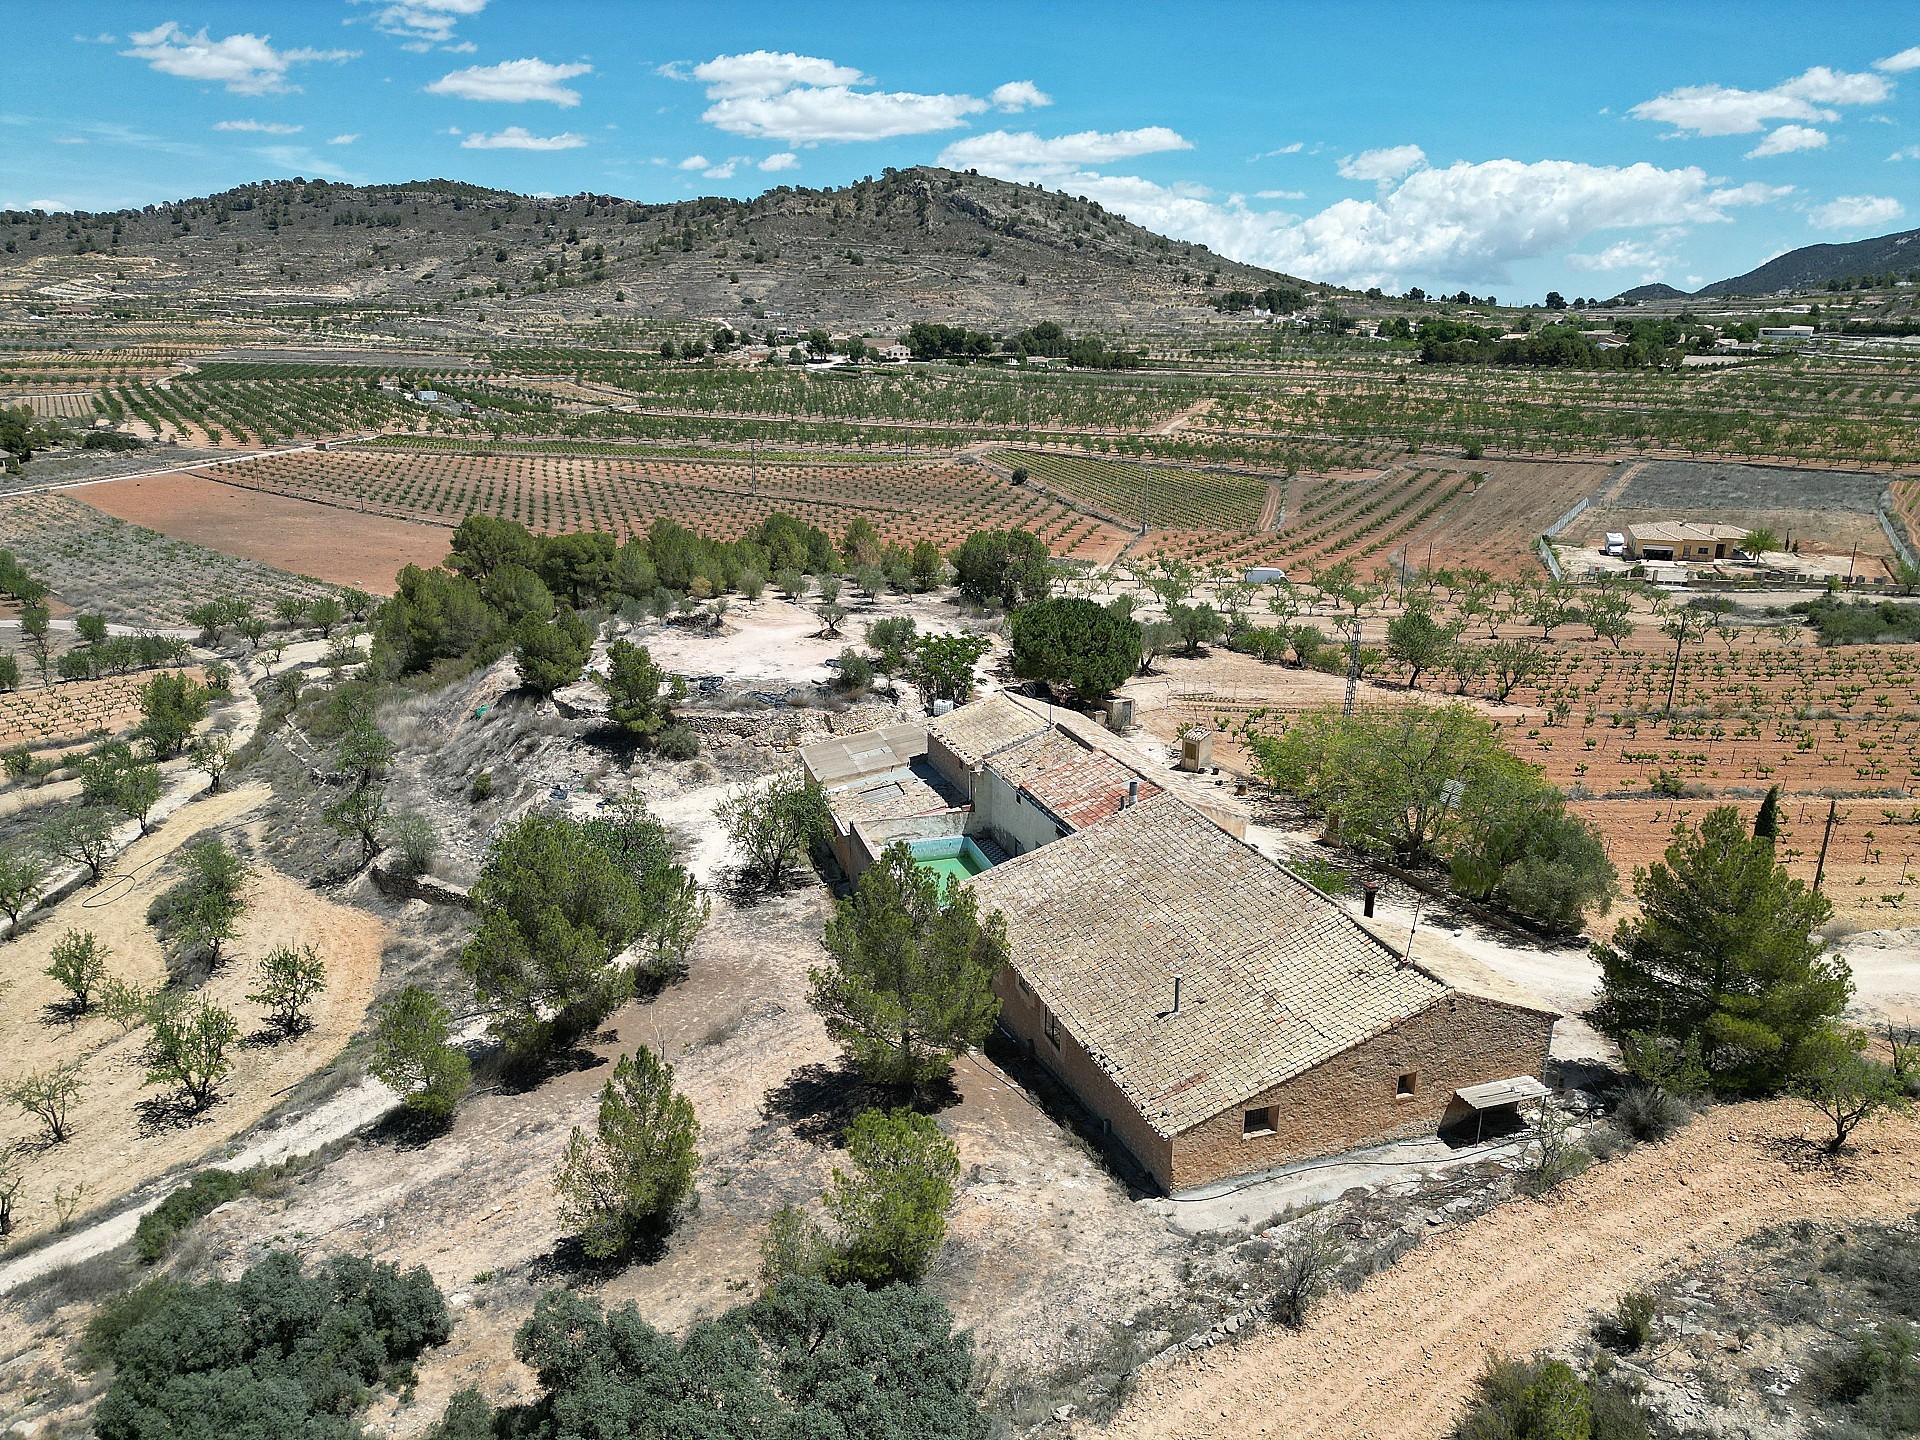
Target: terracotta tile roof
(1275, 977)
(1078, 784)
(975, 731)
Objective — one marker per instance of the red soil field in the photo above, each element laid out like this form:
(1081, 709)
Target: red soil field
(327, 542)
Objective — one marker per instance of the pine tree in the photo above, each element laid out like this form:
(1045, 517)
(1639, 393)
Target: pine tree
(638, 1167)
(911, 985)
(1723, 951)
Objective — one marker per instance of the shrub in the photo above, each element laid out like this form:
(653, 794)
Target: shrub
(1633, 1321)
(163, 1225)
(1648, 1112)
(1553, 1156)
(805, 1359)
(1302, 1278)
(414, 842)
(294, 1354)
(678, 741)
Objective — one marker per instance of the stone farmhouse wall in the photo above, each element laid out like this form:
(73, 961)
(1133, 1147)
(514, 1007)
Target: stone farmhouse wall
(1344, 1103)
(1354, 1098)
(1023, 1015)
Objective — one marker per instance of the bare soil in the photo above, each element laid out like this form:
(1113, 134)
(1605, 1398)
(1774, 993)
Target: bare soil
(124, 1133)
(303, 536)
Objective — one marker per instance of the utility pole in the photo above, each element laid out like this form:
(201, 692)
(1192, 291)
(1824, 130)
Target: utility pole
(1820, 870)
(1353, 663)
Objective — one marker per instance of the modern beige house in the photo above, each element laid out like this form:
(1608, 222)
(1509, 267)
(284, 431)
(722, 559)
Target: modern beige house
(1683, 540)
(1219, 1015)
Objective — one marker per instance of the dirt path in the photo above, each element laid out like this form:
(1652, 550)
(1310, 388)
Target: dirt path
(1270, 507)
(1398, 1357)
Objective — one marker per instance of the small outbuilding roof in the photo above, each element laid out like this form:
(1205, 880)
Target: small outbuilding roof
(1680, 532)
(846, 759)
(1495, 1093)
(1275, 977)
(976, 731)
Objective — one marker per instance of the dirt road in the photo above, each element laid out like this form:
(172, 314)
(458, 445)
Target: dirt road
(1398, 1357)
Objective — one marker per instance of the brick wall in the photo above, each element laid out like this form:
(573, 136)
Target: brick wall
(1351, 1100)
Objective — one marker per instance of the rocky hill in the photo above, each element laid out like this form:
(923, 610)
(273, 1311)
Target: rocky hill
(912, 244)
(1814, 265)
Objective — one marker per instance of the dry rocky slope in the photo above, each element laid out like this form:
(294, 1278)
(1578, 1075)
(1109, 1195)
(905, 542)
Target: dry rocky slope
(913, 244)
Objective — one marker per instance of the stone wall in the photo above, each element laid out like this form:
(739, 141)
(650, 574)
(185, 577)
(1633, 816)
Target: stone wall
(1023, 1015)
(1345, 1103)
(1353, 1099)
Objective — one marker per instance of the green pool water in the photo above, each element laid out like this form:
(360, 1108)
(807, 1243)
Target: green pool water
(955, 859)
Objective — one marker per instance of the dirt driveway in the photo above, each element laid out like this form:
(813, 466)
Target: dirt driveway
(1397, 1358)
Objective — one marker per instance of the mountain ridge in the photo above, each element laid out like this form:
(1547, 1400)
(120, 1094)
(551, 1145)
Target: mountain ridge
(920, 243)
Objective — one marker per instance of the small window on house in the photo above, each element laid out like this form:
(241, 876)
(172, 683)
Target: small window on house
(1257, 1122)
(1407, 1086)
(1053, 1029)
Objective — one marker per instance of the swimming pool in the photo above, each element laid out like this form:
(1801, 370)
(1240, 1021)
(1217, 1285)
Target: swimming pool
(951, 858)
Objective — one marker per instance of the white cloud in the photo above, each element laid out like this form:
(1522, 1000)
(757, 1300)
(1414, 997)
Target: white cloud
(724, 170)
(1466, 222)
(1622, 255)
(1911, 152)
(343, 139)
(1388, 164)
(513, 81)
(1787, 139)
(1908, 59)
(1723, 110)
(764, 72)
(1754, 192)
(1294, 149)
(1856, 212)
(807, 116)
(103, 38)
(1018, 95)
(804, 100)
(1279, 194)
(516, 137)
(782, 160)
(423, 24)
(695, 162)
(259, 127)
(1025, 155)
(246, 64)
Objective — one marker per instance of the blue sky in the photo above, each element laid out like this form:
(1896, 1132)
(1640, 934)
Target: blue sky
(1493, 146)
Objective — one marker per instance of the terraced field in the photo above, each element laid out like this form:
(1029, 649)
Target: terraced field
(1168, 497)
(904, 501)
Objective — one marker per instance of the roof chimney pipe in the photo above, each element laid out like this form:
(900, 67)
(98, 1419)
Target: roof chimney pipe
(1176, 996)
(1133, 793)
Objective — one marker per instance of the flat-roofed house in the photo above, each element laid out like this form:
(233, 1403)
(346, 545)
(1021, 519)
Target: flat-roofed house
(1683, 540)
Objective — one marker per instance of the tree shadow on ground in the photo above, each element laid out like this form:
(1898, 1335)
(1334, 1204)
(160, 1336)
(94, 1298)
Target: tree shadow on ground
(1807, 1157)
(160, 1114)
(517, 1074)
(743, 886)
(406, 1129)
(568, 1262)
(819, 1101)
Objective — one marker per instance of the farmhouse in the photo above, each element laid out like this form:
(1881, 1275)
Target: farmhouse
(1216, 1013)
(1682, 540)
